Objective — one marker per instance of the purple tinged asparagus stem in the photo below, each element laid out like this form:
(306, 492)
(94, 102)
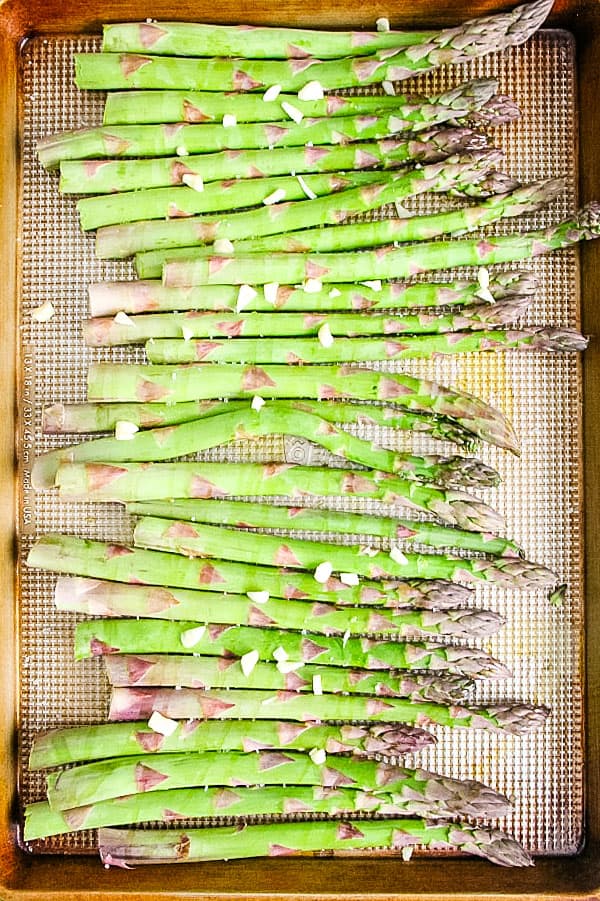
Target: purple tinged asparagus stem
(272, 550)
(174, 384)
(130, 847)
(133, 703)
(121, 564)
(80, 743)
(110, 176)
(151, 296)
(385, 262)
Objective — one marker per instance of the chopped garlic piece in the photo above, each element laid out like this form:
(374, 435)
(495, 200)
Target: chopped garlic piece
(193, 180)
(349, 579)
(43, 313)
(123, 319)
(485, 294)
(272, 93)
(191, 637)
(397, 556)
(402, 212)
(311, 91)
(187, 333)
(124, 431)
(323, 572)
(280, 654)
(276, 197)
(335, 293)
(318, 756)
(326, 339)
(388, 88)
(366, 551)
(292, 111)
(257, 402)
(289, 666)
(182, 151)
(374, 284)
(270, 291)
(317, 684)
(164, 725)
(259, 597)
(308, 191)
(248, 662)
(223, 245)
(382, 24)
(312, 286)
(345, 638)
(245, 295)
(483, 277)
(229, 120)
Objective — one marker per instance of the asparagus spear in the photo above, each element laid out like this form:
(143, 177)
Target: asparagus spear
(97, 638)
(271, 550)
(209, 672)
(230, 194)
(89, 417)
(246, 515)
(126, 847)
(278, 419)
(474, 38)
(109, 298)
(127, 482)
(105, 331)
(147, 107)
(99, 597)
(101, 560)
(170, 805)
(61, 746)
(108, 176)
(369, 234)
(119, 241)
(357, 350)
(385, 262)
(133, 703)
(108, 599)
(174, 384)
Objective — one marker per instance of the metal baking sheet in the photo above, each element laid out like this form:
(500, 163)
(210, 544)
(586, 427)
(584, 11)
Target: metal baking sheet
(540, 494)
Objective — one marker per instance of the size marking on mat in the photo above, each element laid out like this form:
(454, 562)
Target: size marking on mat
(26, 440)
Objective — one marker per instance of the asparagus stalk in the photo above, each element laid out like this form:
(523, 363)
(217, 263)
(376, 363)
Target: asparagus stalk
(358, 350)
(174, 804)
(90, 783)
(108, 176)
(209, 672)
(126, 847)
(148, 107)
(174, 384)
(101, 560)
(133, 703)
(99, 597)
(386, 262)
(105, 331)
(106, 599)
(230, 194)
(79, 743)
(147, 296)
(242, 514)
(119, 241)
(129, 141)
(474, 38)
(369, 234)
(271, 550)
(97, 638)
(130, 482)
(279, 419)
(89, 417)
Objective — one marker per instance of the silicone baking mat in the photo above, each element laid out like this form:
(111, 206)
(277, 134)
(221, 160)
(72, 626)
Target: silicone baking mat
(540, 493)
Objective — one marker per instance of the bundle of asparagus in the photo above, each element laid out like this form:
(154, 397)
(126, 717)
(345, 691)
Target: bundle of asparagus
(234, 640)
